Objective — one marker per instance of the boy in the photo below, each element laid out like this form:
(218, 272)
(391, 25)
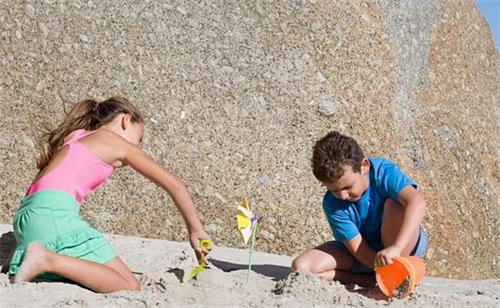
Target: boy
(373, 209)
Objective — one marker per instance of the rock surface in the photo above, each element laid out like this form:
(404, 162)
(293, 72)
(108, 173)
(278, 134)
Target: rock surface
(235, 94)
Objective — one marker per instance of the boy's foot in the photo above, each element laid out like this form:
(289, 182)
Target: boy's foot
(34, 262)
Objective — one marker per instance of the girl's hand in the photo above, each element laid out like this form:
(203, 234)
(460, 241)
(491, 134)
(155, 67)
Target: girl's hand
(384, 257)
(194, 239)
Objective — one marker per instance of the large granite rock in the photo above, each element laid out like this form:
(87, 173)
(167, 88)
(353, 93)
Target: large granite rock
(236, 93)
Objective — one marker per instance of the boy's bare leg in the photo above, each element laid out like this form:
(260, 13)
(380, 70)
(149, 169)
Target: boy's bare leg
(391, 223)
(331, 263)
(103, 278)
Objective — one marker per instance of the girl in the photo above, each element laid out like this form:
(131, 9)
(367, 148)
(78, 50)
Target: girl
(93, 140)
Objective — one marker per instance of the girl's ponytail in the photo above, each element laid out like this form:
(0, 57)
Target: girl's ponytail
(88, 114)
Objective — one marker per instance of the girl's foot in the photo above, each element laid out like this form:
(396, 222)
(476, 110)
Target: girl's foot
(34, 262)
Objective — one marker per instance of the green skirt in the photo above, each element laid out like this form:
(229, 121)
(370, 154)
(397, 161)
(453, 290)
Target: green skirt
(50, 217)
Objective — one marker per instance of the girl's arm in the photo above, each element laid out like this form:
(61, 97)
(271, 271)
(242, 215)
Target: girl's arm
(136, 158)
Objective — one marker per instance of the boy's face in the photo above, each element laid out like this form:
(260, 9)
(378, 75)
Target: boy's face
(352, 185)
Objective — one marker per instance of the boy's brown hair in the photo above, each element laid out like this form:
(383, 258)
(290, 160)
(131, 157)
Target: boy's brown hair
(331, 155)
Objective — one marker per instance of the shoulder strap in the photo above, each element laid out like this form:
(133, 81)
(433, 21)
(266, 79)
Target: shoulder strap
(85, 134)
(78, 134)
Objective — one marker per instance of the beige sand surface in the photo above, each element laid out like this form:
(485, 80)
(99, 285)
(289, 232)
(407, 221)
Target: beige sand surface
(223, 285)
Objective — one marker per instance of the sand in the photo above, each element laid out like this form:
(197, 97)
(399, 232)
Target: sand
(224, 283)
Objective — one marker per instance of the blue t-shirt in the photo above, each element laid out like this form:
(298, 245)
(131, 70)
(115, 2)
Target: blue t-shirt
(348, 219)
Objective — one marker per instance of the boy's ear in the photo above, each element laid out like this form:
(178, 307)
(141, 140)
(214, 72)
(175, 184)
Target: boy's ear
(365, 166)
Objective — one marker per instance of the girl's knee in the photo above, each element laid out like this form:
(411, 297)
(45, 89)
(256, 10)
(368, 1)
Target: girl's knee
(131, 284)
(130, 281)
(134, 285)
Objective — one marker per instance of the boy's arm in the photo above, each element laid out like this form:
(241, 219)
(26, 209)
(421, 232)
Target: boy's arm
(361, 250)
(415, 206)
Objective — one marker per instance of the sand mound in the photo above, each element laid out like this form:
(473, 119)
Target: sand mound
(306, 287)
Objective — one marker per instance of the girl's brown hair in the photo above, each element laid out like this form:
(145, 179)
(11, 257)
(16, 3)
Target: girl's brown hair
(88, 114)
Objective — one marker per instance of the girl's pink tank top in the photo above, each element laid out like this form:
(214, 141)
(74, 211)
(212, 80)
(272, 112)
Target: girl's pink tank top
(79, 173)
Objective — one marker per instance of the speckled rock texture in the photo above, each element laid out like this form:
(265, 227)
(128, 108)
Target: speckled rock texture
(236, 93)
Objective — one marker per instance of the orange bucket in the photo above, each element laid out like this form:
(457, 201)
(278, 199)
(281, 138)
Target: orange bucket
(392, 276)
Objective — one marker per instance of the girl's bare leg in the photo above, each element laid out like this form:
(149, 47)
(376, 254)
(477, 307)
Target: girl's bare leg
(103, 278)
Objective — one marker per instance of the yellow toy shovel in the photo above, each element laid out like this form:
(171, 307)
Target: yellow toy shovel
(204, 244)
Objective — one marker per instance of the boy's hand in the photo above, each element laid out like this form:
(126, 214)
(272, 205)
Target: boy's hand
(194, 239)
(384, 257)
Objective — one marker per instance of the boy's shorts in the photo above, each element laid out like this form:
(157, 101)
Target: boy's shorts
(360, 268)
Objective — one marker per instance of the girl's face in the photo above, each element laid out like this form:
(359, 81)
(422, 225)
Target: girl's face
(352, 185)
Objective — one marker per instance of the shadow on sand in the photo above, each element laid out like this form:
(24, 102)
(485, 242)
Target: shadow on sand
(276, 272)
(7, 245)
